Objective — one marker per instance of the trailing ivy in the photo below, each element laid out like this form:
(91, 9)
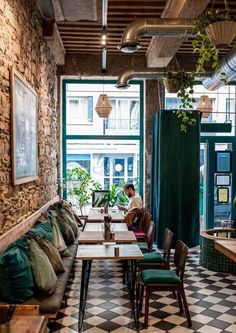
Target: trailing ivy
(185, 109)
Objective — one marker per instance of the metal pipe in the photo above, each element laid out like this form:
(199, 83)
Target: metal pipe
(227, 71)
(124, 77)
(168, 27)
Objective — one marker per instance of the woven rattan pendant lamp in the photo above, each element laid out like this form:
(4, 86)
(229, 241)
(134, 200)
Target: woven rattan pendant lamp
(204, 106)
(103, 107)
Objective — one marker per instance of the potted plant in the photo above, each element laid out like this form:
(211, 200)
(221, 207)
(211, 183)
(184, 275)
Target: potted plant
(184, 81)
(114, 197)
(212, 29)
(80, 186)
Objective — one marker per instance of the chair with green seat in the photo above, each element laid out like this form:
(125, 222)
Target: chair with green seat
(164, 280)
(146, 246)
(157, 259)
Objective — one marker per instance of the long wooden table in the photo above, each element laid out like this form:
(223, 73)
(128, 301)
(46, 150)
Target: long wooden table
(88, 253)
(95, 215)
(93, 237)
(227, 247)
(99, 227)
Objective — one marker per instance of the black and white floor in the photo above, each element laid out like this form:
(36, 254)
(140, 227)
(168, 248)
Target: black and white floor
(211, 297)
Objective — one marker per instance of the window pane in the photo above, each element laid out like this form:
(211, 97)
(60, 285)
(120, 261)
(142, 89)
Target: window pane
(107, 162)
(118, 167)
(82, 118)
(223, 104)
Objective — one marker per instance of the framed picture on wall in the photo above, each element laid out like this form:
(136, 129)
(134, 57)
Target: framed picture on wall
(24, 141)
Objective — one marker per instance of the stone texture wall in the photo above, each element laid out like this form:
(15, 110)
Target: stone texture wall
(23, 47)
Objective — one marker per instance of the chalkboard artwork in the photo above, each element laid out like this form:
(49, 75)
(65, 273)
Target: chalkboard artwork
(25, 150)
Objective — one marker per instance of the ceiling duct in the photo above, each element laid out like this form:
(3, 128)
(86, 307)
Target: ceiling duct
(168, 27)
(227, 71)
(150, 73)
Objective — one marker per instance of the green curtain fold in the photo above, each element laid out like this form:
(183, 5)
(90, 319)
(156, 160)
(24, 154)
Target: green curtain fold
(175, 178)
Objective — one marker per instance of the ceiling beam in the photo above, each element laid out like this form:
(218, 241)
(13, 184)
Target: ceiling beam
(58, 12)
(162, 49)
(55, 44)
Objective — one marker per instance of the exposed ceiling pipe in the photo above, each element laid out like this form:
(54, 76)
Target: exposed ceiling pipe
(168, 27)
(227, 71)
(124, 77)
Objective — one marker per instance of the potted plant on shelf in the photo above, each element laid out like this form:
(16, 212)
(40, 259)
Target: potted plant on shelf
(212, 29)
(184, 81)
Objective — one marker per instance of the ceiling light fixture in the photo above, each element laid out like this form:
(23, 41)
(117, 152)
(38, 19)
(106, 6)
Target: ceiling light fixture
(103, 106)
(204, 106)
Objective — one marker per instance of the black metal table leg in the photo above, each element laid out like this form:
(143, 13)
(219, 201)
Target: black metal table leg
(86, 268)
(131, 286)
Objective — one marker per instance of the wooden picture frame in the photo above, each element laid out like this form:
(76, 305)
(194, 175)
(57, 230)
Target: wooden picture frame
(24, 137)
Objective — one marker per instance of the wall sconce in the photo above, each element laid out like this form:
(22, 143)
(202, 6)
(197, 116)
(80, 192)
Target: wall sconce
(204, 106)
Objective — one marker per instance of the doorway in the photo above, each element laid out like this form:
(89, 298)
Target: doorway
(217, 181)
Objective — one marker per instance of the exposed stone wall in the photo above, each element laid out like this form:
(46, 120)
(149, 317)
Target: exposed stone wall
(23, 47)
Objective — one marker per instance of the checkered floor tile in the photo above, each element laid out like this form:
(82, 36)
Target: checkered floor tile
(211, 297)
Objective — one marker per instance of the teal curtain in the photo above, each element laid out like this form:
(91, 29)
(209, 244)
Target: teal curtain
(175, 178)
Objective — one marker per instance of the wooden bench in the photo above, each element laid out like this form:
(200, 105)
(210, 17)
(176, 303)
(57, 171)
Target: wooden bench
(19, 230)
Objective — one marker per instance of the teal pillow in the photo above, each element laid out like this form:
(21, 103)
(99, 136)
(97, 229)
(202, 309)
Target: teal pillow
(43, 229)
(151, 257)
(159, 276)
(43, 272)
(16, 279)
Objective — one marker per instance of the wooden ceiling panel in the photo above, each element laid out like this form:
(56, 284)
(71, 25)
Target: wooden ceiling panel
(84, 36)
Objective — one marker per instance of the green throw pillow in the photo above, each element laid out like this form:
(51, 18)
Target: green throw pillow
(53, 255)
(42, 229)
(58, 240)
(70, 220)
(44, 275)
(66, 230)
(16, 279)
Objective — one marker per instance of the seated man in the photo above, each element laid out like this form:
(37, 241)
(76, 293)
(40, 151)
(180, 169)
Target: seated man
(135, 201)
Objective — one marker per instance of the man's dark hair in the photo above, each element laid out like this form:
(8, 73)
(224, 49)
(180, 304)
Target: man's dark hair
(128, 186)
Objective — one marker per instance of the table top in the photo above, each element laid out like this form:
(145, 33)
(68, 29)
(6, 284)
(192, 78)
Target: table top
(96, 215)
(97, 252)
(26, 324)
(99, 227)
(227, 247)
(93, 237)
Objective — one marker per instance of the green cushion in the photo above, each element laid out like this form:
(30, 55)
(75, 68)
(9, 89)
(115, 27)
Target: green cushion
(71, 221)
(16, 279)
(58, 240)
(43, 229)
(159, 276)
(44, 275)
(151, 257)
(143, 246)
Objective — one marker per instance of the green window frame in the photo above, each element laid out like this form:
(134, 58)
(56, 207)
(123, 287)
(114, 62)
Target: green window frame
(103, 137)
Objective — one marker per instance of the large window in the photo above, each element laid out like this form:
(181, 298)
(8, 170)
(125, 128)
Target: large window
(110, 149)
(222, 100)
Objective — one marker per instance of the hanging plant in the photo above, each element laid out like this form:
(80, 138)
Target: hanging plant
(212, 29)
(185, 82)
